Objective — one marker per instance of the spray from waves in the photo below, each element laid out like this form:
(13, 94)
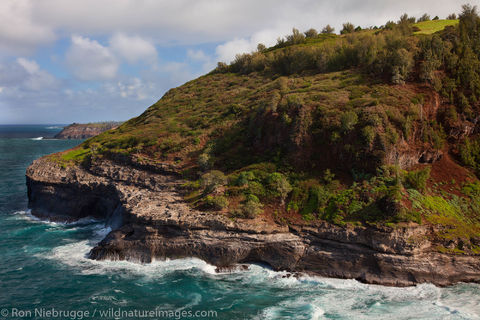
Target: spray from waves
(37, 138)
(53, 127)
(304, 297)
(27, 215)
(75, 256)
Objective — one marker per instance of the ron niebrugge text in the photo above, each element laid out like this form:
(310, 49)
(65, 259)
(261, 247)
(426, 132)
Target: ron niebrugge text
(114, 313)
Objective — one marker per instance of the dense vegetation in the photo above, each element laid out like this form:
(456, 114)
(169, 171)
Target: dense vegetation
(355, 128)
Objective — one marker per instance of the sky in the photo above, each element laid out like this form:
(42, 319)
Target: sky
(64, 61)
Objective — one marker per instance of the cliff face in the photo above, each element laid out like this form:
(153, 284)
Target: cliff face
(150, 220)
(84, 131)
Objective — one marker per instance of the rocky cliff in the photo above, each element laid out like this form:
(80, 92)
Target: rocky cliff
(85, 131)
(149, 219)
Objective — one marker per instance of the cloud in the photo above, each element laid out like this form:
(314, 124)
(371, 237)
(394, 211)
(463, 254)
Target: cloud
(108, 34)
(25, 75)
(89, 60)
(197, 55)
(208, 62)
(19, 32)
(27, 24)
(227, 51)
(200, 21)
(130, 88)
(57, 101)
(29, 65)
(133, 48)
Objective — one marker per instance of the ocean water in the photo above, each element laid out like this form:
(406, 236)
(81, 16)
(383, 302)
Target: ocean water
(43, 266)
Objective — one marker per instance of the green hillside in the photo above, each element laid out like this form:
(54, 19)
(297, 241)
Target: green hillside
(370, 127)
(432, 26)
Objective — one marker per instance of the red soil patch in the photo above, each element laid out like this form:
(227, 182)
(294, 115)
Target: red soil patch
(447, 170)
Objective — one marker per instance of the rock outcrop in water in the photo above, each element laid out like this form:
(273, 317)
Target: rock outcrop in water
(149, 219)
(85, 131)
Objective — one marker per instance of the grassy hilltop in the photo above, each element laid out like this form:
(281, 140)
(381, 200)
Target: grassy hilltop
(374, 126)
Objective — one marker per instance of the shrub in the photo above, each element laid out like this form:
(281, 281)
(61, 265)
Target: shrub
(278, 185)
(251, 207)
(472, 189)
(261, 47)
(470, 153)
(318, 197)
(216, 202)
(424, 17)
(212, 180)
(311, 33)
(328, 29)
(244, 178)
(296, 37)
(347, 28)
(417, 179)
(204, 161)
(348, 121)
(368, 135)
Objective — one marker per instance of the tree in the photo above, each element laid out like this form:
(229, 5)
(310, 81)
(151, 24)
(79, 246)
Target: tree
(358, 29)
(222, 67)
(452, 16)
(311, 33)
(347, 28)
(328, 29)
(279, 186)
(390, 25)
(469, 23)
(261, 47)
(296, 37)
(401, 64)
(405, 19)
(424, 17)
(404, 25)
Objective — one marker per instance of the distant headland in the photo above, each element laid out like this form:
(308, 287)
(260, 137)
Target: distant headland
(85, 130)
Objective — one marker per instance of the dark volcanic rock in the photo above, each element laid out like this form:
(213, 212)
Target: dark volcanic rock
(150, 220)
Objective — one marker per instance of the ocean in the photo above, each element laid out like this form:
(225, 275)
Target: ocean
(44, 272)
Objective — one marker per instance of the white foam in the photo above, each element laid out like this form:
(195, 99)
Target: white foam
(317, 313)
(75, 255)
(37, 138)
(306, 297)
(27, 215)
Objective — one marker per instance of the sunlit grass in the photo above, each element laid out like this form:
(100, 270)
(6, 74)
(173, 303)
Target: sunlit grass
(429, 27)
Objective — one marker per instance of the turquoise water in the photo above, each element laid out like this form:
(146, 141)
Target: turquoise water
(43, 265)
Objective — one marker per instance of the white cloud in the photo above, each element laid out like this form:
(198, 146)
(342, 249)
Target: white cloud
(130, 88)
(208, 62)
(89, 60)
(133, 48)
(227, 51)
(25, 74)
(26, 24)
(197, 55)
(29, 65)
(200, 21)
(134, 29)
(19, 32)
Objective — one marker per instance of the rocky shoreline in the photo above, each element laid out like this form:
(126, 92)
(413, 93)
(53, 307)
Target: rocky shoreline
(150, 220)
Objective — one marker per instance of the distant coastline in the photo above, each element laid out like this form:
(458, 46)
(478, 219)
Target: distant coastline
(85, 131)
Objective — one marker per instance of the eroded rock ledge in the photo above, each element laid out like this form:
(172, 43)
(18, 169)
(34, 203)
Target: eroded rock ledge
(150, 220)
